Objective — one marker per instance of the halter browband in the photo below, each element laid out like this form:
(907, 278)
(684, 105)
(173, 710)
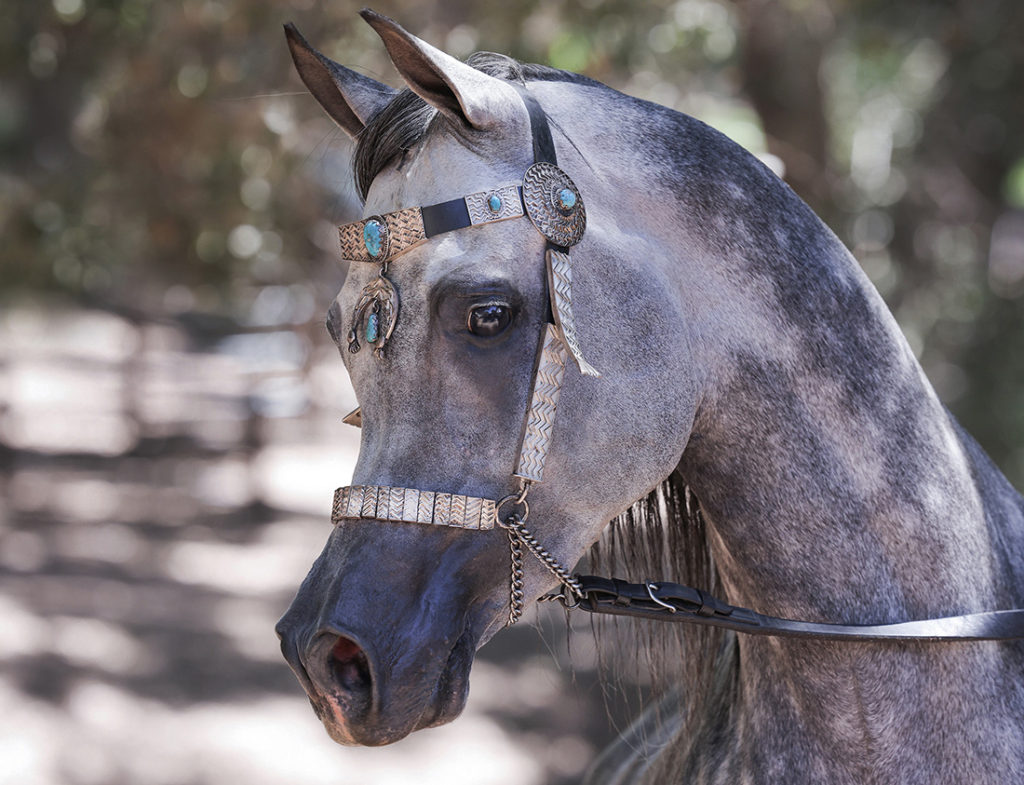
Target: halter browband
(405, 229)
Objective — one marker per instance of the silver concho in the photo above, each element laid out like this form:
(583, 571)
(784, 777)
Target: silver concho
(554, 204)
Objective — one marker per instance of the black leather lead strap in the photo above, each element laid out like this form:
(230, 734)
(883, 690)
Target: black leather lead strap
(675, 602)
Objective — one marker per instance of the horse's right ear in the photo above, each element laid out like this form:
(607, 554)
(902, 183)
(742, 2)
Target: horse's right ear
(350, 98)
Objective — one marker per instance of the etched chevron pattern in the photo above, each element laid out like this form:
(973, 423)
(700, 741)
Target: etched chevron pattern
(396, 503)
(443, 509)
(474, 506)
(425, 508)
(355, 502)
(540, 419)
(480, 211)
(408, 505)
(541, 183)
(411, 505)
(341, 497)
(457, 514)
(560, 278)
(369, 506)
(487, 514)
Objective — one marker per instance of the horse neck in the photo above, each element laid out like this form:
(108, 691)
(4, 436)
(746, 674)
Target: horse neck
(834, 481)
(835, 485)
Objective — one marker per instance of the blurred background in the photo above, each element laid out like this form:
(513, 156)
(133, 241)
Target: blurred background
(170, 404)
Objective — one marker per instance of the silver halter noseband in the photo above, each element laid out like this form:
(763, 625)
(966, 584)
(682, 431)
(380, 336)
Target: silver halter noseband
(553, 203)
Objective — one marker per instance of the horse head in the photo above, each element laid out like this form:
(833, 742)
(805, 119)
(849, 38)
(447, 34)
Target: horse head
(555, 291)
(442, 333)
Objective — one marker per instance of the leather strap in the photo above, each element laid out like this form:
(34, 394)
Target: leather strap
(540, 129)
(543, 152)
(455, 213)
(445, 217)
(674, 602)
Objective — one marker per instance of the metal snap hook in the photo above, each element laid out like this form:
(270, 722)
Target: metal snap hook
(562, 598)
(653, 587)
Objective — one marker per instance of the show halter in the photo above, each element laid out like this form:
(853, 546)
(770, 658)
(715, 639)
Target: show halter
(554, 205)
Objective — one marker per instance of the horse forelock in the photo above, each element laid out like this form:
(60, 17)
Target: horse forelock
(408, 119)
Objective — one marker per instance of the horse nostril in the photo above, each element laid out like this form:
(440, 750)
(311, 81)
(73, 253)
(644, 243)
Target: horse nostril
(350, 666)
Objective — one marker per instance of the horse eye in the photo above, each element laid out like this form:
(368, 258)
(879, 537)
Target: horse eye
(489, 320)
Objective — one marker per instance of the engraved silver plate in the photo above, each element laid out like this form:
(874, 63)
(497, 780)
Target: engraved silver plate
(408, 505)
(404, 229)
(509, 205)
(540, 417)
(542, 185)
(379, 301)
(442, 509)
(560, 284)
(457, 514)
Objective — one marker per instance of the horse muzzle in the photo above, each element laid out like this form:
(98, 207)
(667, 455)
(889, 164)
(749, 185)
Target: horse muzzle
(358, 700)
(381, 659)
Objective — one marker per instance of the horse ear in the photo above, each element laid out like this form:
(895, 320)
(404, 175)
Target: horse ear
(350, 98)
(457, 90)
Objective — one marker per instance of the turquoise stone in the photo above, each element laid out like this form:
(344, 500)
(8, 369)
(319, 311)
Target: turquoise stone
(494, 202)
(372, 327)
(567, 198)
(373, 238)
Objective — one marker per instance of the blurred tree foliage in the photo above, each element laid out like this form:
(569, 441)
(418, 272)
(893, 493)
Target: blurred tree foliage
(160, 156)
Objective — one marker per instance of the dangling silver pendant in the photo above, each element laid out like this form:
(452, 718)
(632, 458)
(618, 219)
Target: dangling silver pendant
(375, 315)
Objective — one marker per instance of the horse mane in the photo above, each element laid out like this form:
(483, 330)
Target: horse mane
(690, 671)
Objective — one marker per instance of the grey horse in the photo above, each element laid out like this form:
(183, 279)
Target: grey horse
(743, 353)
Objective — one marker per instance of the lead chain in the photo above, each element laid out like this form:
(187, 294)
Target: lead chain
(518, 536)
(515, 596)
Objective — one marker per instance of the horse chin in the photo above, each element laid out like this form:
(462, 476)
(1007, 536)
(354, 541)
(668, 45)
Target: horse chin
(378, 722)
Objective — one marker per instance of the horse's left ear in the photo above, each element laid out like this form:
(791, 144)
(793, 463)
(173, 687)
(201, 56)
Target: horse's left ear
(457, 90)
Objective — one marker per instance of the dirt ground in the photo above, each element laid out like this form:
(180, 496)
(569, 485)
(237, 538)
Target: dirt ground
(163, 490)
